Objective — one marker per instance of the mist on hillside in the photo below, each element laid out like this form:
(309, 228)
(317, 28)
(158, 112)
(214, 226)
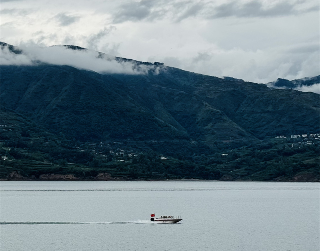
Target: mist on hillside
(61, 55)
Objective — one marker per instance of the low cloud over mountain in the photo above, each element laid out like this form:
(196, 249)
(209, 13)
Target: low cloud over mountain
(304, 85)
(31, 54)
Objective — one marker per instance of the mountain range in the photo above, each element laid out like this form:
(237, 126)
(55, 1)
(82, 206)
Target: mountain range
(160, 107)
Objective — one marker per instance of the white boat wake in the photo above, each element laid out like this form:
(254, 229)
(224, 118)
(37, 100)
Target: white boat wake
(72, 222)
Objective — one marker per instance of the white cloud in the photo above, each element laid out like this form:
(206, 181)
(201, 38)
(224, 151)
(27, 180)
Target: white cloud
(9, 58)
(313, 88)
(58, 55)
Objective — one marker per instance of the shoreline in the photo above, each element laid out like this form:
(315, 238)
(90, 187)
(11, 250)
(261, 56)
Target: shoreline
(16, 176)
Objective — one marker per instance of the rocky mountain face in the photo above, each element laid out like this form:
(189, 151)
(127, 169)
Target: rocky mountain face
(164, 104)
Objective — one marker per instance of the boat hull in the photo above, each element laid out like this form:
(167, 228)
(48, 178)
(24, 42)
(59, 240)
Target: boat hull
(166, 221)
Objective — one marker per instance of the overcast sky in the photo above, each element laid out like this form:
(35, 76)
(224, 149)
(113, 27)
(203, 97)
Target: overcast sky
(259, 40)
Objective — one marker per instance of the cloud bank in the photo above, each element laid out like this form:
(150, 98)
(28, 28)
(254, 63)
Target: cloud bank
(60, 55)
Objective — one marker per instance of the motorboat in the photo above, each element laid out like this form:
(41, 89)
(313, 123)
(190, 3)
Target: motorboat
(165, 219)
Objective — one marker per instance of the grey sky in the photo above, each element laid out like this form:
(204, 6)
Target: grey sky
(65, 19)
(256, 40)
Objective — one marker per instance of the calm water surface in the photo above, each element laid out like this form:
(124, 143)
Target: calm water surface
(115, 216)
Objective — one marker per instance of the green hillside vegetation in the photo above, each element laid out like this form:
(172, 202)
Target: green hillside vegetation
(30, 153)
(88, 106)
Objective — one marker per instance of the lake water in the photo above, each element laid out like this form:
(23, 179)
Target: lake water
(114, 215)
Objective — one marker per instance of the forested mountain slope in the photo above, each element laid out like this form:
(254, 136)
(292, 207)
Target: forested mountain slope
(171, 105)
(165, 109)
